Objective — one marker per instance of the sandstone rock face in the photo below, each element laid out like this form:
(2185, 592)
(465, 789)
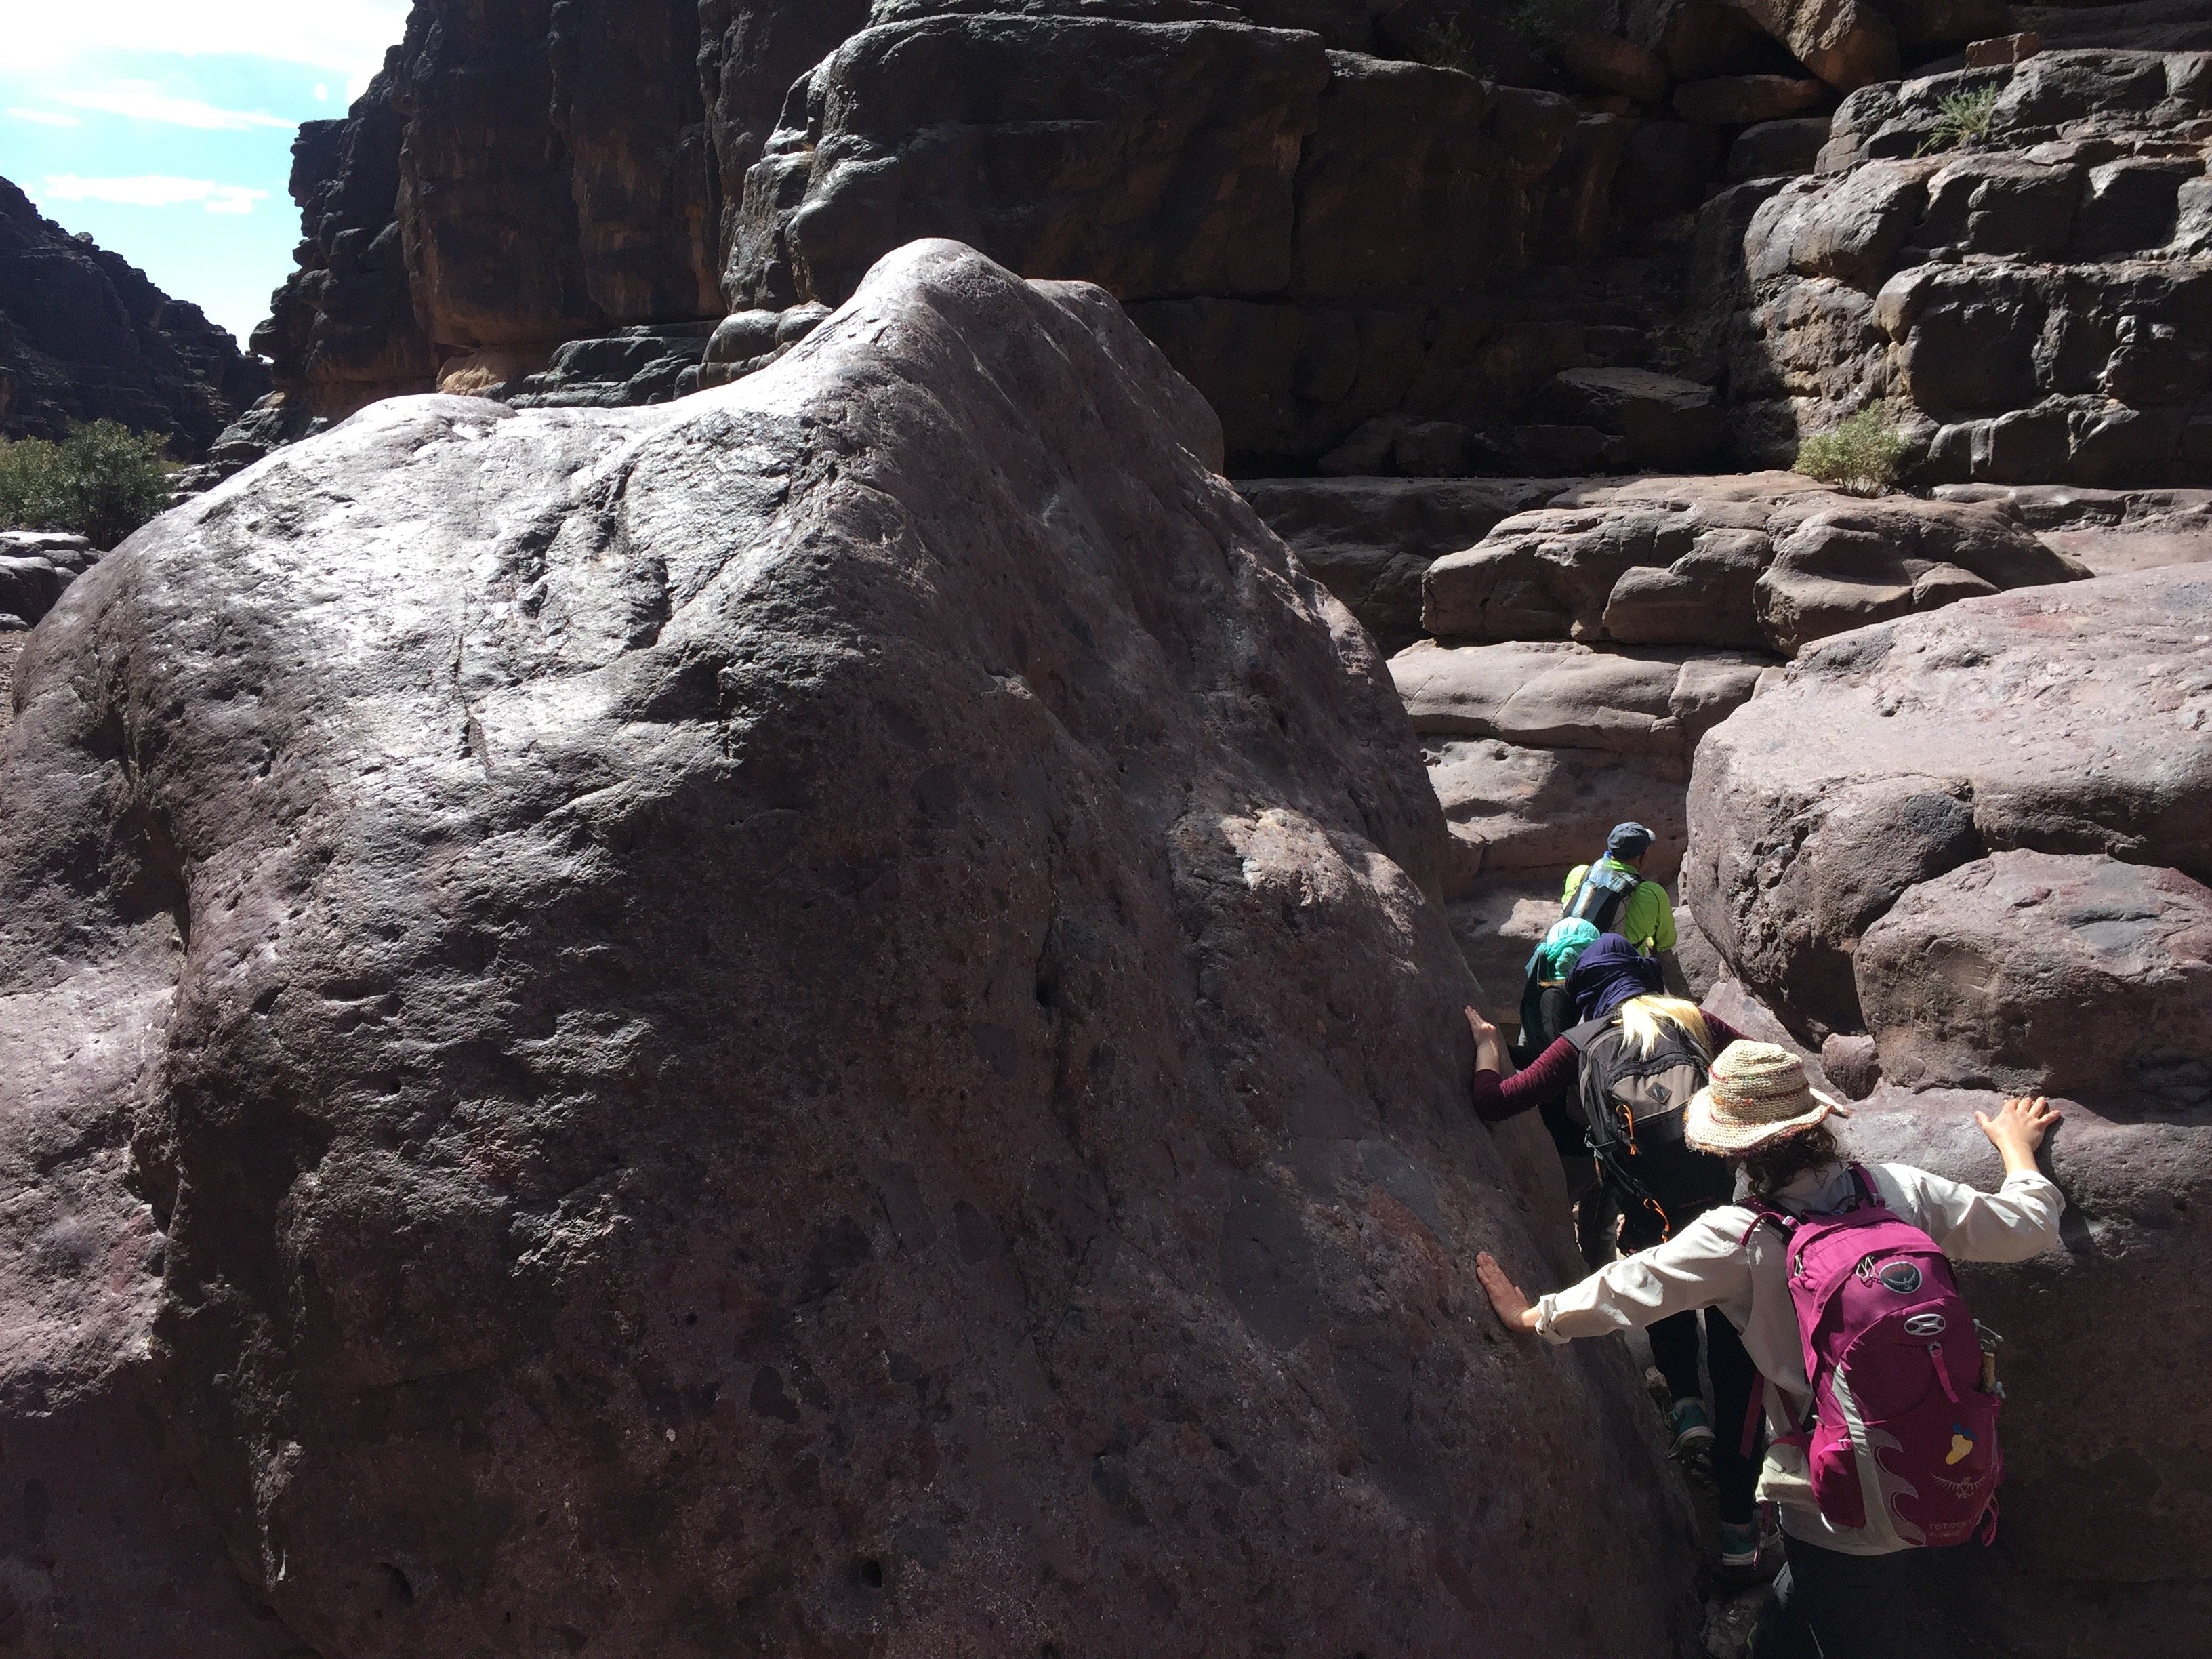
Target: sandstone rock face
(1778, 149)
(442, 217)
(85, 336)
(2109, 531)
(1536, 749)
(2066, 721)
(801, 1021)
(1318, 240)
(2043, 973)
(36, 566)
(1771, 561)
(1846, 43)
(2038, 296)
(1665, 422)
(1651, 703)
(1370, 540)
(646, 364)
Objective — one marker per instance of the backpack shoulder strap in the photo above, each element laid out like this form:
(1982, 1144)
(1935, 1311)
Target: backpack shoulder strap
(1762, 1213)
(1589, 1031)
(1870, 1195)
(1612, 889)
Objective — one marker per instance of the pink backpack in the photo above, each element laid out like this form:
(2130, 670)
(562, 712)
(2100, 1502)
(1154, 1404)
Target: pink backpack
(1899, 1417)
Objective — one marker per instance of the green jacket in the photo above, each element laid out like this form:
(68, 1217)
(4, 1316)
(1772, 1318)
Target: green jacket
(1647, 921)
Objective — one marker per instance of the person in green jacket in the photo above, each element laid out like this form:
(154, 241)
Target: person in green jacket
(1613, 895)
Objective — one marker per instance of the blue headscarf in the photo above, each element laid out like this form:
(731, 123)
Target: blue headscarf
(1609, 973)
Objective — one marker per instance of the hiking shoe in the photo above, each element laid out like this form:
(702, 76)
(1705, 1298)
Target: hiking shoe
(1691, 1429)
(1740, 1546)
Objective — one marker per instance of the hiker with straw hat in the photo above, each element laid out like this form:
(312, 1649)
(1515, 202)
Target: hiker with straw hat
(1847, 1591)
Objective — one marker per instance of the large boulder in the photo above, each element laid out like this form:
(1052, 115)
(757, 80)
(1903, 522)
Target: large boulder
(2068, 719)
(804, 1021)
(2044, 973)
(1765, 560)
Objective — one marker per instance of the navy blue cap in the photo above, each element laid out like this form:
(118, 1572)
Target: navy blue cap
(1629, 840)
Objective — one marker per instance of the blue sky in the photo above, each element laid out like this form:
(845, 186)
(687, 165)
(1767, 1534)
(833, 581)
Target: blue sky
(165, 129)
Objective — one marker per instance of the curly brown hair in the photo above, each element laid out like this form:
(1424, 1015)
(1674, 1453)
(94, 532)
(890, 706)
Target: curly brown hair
(1775, 1165)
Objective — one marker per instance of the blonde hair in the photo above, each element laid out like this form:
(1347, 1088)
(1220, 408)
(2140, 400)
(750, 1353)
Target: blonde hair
(1639, 1024)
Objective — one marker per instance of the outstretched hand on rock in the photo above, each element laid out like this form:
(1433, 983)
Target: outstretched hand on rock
(1489, 1052)
(1514, 1309)
(2018, 1129)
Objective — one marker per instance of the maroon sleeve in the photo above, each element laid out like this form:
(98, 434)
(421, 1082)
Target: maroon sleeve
(1722, 1033)
(1550, 1077)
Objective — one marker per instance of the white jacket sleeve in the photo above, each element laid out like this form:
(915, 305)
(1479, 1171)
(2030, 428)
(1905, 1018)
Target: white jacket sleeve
(1701, 1264)
(2018, 1220)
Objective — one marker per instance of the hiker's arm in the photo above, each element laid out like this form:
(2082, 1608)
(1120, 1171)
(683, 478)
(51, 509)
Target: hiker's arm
(1721, 1031)
(1701, 1265)
(1550, 1077)
(1655, 917)
(2018, 1220)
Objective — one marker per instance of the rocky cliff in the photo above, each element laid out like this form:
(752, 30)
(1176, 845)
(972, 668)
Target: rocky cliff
(85, 336)
(1309, 204)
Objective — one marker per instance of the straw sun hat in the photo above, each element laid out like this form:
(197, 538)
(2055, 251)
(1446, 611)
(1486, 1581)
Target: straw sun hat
(1758, 1096)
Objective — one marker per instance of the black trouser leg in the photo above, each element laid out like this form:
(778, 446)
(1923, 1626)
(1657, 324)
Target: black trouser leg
(1674, 1351)
(1735, 1475)
(1830, 1605)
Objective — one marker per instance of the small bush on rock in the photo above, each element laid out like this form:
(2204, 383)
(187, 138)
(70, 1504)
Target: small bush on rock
(1962, 118)
(1863, 455)
(1448, 47)
(102, 481)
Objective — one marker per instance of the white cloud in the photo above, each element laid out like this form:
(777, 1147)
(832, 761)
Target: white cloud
(143, 101)
(154, 190)
(46, 118)
(345, 37)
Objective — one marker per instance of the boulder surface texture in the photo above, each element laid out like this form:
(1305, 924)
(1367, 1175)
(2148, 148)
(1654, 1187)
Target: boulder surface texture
(805, 1022)
(85, 336)
(2068, 719)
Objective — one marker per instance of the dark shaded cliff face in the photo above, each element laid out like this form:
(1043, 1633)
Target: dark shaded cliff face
(522, 174)
(85, 336)
(526, 174)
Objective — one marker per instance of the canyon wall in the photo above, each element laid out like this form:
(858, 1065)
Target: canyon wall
(85, 336)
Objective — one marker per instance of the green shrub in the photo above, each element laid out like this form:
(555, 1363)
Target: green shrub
(1521, 27)
(1863, 455)
(102, 481)
(1962, 118)
(1447, 45)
